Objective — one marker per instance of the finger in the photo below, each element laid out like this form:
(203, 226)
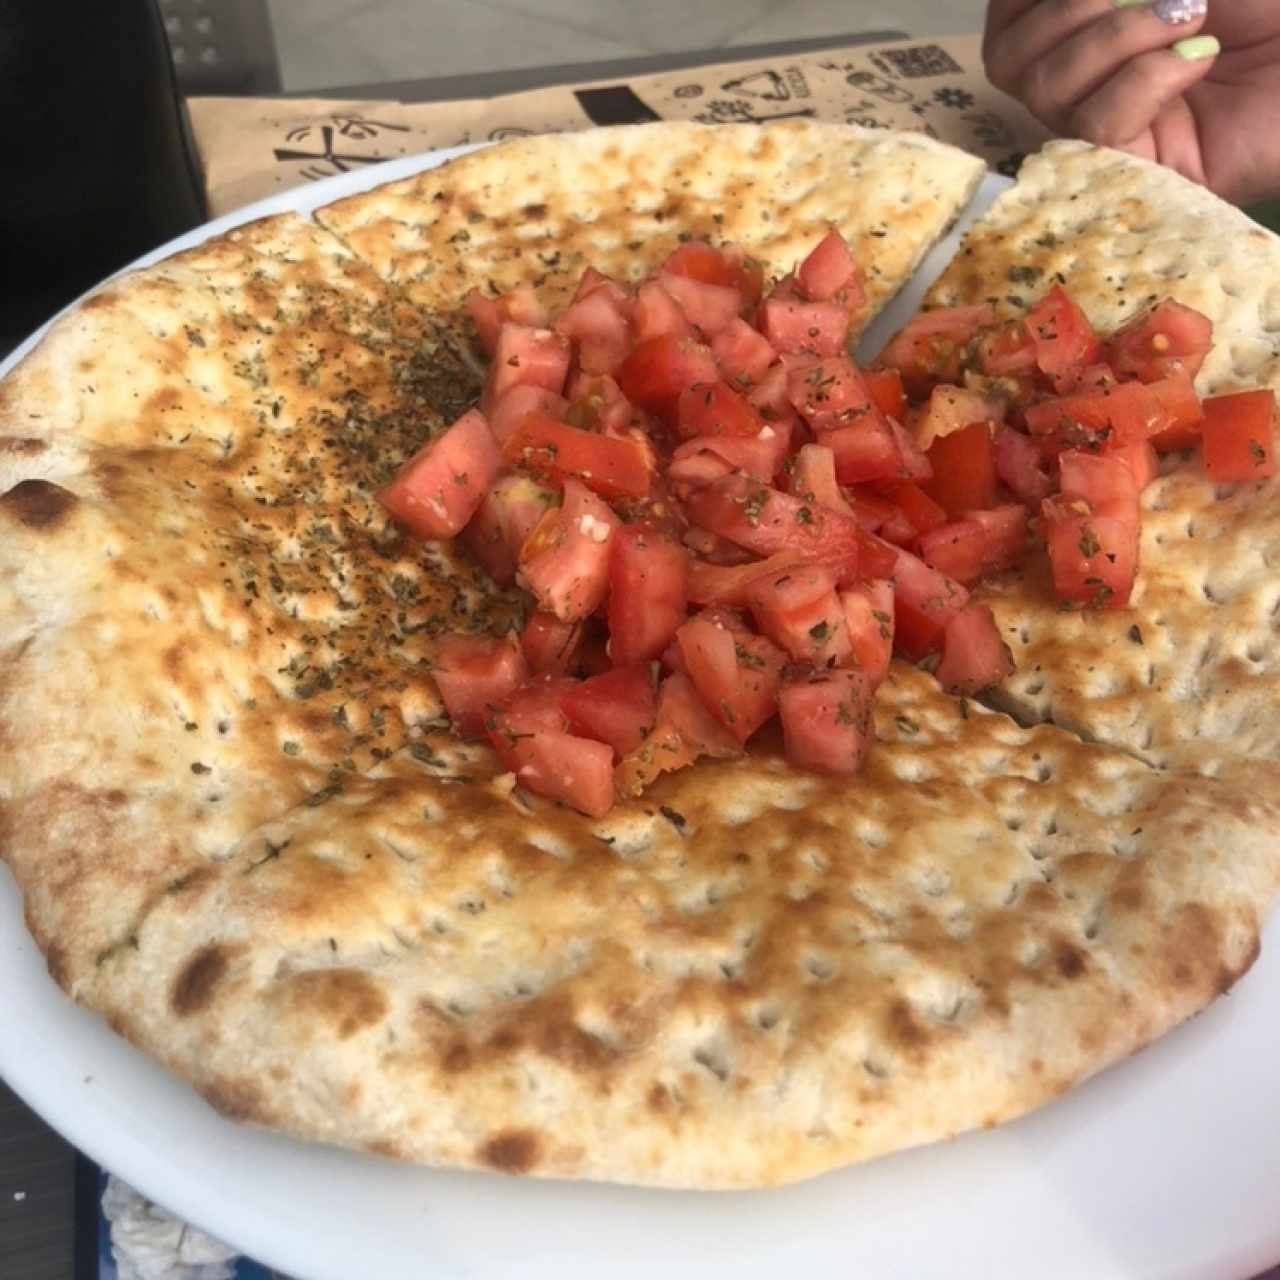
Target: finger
(1079, 66)
(1045, 26)
(1128, 103)
(1000, 14)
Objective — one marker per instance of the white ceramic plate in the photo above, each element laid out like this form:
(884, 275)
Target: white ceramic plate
(1166, 1166)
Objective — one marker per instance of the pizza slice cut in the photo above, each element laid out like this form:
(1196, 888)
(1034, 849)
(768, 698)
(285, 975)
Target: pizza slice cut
(1189, 674)
(539, 210)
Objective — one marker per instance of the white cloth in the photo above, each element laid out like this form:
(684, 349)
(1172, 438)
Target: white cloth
(150, 1244)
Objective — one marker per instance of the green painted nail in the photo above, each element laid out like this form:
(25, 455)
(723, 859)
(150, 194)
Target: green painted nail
(1197, 47)
(1129, 4)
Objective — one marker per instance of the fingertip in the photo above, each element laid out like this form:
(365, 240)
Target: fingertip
(1197, 48)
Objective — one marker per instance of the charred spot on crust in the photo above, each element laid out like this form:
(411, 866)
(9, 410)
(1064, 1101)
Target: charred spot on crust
(22, 446)
(1228, 977)
(1193, 946)
(903, 1029)
(56, 962)
(512, 1151)
(1070, 961)
(349, 1000)
(38, 504)
(237, 1099)
(457, 1058)
(194, 987)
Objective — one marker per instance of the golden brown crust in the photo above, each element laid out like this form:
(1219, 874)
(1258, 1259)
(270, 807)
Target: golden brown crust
(244, 839)
(541, 209)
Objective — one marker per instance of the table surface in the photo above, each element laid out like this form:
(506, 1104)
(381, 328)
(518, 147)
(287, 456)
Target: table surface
(48, 1191)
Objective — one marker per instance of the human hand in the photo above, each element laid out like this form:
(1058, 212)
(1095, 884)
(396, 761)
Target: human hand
(1191, 84)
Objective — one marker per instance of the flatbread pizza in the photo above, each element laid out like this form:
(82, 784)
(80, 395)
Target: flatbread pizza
(248, 835)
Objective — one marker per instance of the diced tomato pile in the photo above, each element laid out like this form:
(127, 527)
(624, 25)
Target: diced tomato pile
(722, 520)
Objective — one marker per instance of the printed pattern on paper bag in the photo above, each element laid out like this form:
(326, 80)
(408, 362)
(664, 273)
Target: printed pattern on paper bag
(255, 147)
(324, 159)
(917, 61)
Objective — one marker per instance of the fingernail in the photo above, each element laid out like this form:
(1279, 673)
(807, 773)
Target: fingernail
(1129, 4)
(1198, 47)
(1174, 11)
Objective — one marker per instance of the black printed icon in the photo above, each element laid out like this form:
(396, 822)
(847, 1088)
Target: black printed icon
(918, 61)
(615, 104)
(951, 96)
(503, 132)
(689, 91)
(327, 159)
(992, 131)
(869, 82)
(768, 85)
(735, 111)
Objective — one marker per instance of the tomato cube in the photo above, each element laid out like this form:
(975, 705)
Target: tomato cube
(526, 357)
(887, 393)
(440, 488)
(1100, 480)
(1061, 333)
(829, 273)
(565, 560)
(520, 306)
(830, 394)
(1093, 553)
(982, 543)
(656, 314)
(1115, 416)
(613, 466)
(1167, 340)
(868, 613)
(799, 611)
(507, 516)
(514, 406)
(920, 510)
(618, 707)
(683, 731)
(598, 323)
(764, 520)
(964, 470)
(924, 601)
(728, 267)
(810, 328)
(474, 674)
(743, 354)
(1179, 400)
(715, 409)
(932, 346)
(1239, 436)
(973, 655)
(710, 308)
(1006, 350)
(648, 593)
(826, 721)
(577, 772)
(659, 369)
(549, 644)
(759, 456)
(1020, 467)
(737, 685)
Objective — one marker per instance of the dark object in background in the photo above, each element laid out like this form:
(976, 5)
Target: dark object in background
(222, 47)
(98, 165)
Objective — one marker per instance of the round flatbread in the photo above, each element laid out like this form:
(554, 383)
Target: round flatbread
(245, 836)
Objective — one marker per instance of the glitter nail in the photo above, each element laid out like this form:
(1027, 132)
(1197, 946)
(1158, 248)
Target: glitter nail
(1180, 10)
